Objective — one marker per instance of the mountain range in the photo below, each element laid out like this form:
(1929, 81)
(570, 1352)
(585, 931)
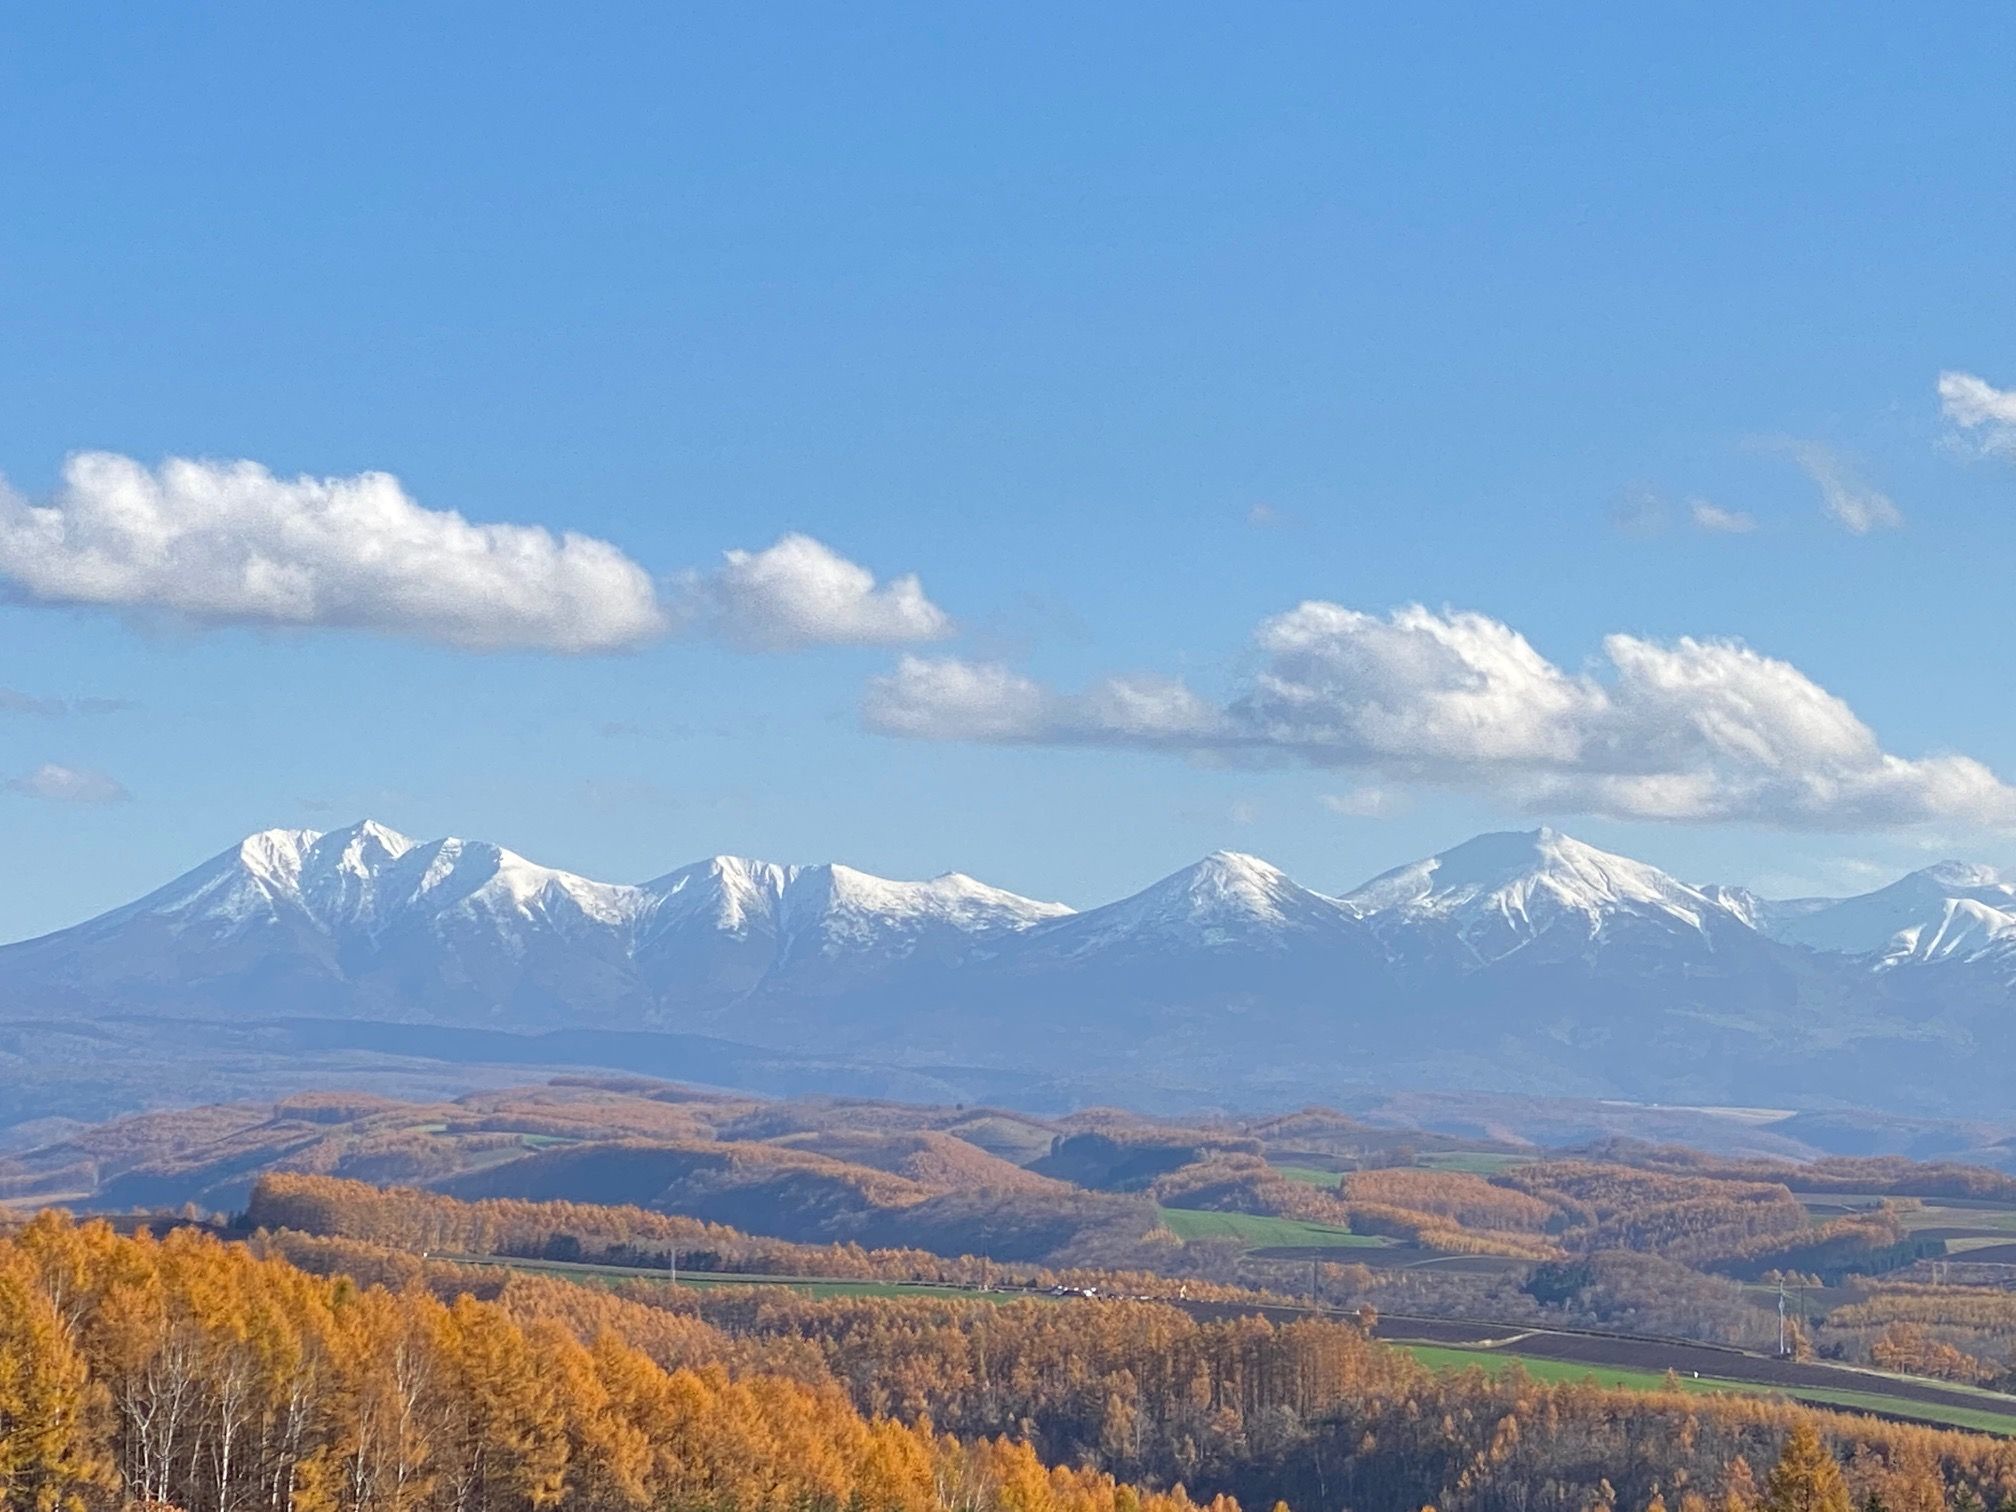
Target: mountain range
(1529, 963)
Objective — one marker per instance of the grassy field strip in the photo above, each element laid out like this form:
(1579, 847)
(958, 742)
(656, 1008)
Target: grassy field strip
(1257, 1231)
(1935, 1212)
(1475, 1162)
(1984, 1241)
(1454, 1357)
(1312, 1175)
(1993, 1220)
(1872, 1199)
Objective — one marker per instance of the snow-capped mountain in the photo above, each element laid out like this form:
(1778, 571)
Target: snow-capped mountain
(1766, 915)
(1947, 911)
(363, 881)
(366, 920)
(1543, 894)
(1227, 900)
(1529, 962)
(725, 925)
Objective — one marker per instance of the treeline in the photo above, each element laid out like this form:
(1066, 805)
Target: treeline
(409, 1219)
(406, 1219)
(1957, 1333)
(205, 1375)
(1313, 1412)
(1872, 1175)
(194, 1374)
(1548, 1210)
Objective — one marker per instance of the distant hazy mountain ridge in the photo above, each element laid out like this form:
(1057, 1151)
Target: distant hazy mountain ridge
(1528, 962)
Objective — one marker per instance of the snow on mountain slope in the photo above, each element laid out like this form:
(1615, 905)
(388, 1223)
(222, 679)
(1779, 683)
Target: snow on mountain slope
(364, 880)
(366, 922)
(728, 925)
(841, 908)
(1502, 893)
(726, 893)
(466, 921)
(1766, 915)
(1965, 930)
(1224, 900)
(253, 882)
(1902, 920)
(1227, 973)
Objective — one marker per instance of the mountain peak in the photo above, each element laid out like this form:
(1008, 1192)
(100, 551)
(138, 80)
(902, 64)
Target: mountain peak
(274, 854)
(1231, 863)
(1499, 892)
(1513, 859)
(733, 870)
(1229, 881)
(362, 846)
(1905, 918)
(1226, 897)
(1961, 875)
(949, 894)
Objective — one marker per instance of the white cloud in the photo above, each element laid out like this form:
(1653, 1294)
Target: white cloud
(1855, 504)
(801, 593)
(62, 784)
(1690, 730)
(945, 698)
(1978, 406)
(230, 543)
(1716, 520)
(211, 543)
(1362, 803)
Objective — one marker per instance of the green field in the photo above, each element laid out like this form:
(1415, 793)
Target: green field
(1476, 1162)
(1930, 1212)
(1449, 1358)
(1260, 1232)
(1312, 1175)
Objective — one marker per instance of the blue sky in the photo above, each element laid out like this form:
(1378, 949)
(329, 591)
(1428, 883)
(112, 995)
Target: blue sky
(1125, 329)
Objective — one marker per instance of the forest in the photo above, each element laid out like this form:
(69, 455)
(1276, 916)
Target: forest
(199, 1372)
(598, 1294)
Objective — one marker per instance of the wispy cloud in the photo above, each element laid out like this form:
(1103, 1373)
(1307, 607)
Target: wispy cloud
(1851, 500)
(1362, 802)
(1694, 730)
(1642, 510)
(1639, 510)
(1716, 520)
(61, 784)
(13, 701)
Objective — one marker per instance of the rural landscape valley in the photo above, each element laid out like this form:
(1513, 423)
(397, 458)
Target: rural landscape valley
(1241, 1306)
(918, 758)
